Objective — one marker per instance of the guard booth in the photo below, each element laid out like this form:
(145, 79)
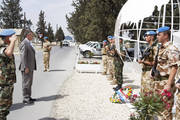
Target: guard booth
(137, 17)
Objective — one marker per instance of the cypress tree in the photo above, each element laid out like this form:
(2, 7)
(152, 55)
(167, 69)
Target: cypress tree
(50, 33)
(11, 14)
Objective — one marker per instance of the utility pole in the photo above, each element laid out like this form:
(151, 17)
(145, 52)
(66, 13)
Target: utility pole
(24, 20)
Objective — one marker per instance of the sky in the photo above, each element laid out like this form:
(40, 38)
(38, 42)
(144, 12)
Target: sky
(55, 11)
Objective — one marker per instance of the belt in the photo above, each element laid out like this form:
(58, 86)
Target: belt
(104, 54)
(146, 68)
(45, 51)
(162, 78)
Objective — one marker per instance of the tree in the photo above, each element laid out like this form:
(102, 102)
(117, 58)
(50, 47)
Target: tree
(50, 33)
(41, 25)
(26, 23)
(59, 35)
(11, 14)
(93, 20)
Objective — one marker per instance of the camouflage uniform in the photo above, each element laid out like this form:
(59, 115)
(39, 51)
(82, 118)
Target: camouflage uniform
(7, 80)
(104, 59)
(178, 106)
(146, 82)
(118, 63)
(168, 57)
(111, 54)
(46, 54)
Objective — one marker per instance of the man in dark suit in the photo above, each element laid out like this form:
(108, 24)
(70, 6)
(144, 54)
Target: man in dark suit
(27, 66)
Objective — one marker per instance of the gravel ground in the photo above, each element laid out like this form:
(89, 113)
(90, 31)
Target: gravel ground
(85, 96)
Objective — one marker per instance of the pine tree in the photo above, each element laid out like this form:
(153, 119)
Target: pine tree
(50, 33)
(11, 14)
(59, 35)
(41, 25)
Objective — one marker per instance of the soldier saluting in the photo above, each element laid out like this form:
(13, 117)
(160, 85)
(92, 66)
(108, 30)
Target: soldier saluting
(7, 71)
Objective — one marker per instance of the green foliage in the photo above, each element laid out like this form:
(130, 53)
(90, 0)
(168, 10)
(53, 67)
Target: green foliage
(41, 25)
(11, 15)
(148, 105)
(50, 33)
(93, 20)
(59, 36)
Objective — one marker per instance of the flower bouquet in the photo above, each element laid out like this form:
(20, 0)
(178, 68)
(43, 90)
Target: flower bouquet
(122, 96)
(150, 104)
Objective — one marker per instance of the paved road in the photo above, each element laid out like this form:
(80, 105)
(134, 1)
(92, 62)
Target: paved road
(45, 85)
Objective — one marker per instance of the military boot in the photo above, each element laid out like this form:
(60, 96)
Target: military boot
(117, 87)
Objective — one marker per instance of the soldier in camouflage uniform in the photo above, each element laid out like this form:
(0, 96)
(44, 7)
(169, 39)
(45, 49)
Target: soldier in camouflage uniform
(147, 62)
(178, 102)
(108, 56)
(7, 70)
(167, 66)
(111, 55)
(118, 63)
(104, 57)
(46, 53)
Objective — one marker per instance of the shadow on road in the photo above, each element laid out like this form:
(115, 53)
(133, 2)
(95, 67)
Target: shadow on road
(48, 98)
(57, 70)
(128, 81)
(134, 86)
(49, 118)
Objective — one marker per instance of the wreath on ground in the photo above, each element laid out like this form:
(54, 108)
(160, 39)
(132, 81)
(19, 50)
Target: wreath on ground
(122, 95)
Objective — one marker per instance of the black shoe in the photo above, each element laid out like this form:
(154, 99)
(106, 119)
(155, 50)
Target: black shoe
(32, 99)
(28, 102)
(117, 87)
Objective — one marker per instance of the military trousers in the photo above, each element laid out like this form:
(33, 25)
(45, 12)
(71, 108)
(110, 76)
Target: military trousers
(111, 68)
(105, 62)
(147, 83)
(166, 114)
(118, 68)
(177, 116)
(46, 57)
(6, 94)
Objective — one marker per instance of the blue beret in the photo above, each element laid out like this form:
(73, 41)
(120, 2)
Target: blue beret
(150, 33)
(163, 29)
(104, 40)
(113, 37)
(110, 37)
(45, 37)
(7, 32)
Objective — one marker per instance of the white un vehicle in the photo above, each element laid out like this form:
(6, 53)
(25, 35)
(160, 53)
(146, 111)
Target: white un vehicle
(90, 49)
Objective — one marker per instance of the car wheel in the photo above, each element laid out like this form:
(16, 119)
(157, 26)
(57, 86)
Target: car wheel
(87, 54)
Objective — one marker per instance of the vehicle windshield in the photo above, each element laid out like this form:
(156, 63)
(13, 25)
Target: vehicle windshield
(88, 43)
(92, 45)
